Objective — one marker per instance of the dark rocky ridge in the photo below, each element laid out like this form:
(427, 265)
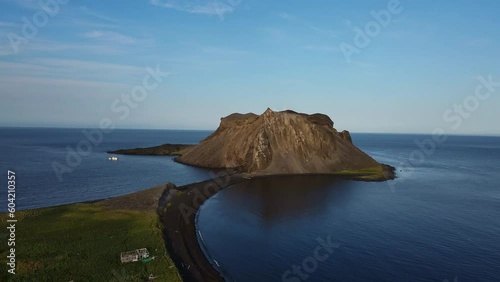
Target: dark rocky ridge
(165, 150)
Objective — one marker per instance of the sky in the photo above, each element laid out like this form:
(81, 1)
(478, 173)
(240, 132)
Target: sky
(383, 66)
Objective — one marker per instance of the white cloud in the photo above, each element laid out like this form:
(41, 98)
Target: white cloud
(92, 13)
(29, 80)
(87, 23)
(110, 36)
(49, 46)
(67, 72)
(24, 67)
(296, 20)
(52, 46)
(65, 64)
(206, 7)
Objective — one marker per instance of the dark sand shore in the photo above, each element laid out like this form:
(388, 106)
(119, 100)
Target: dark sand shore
(177, 210)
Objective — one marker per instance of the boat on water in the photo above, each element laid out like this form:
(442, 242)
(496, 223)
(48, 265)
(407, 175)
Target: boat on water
(113, 158)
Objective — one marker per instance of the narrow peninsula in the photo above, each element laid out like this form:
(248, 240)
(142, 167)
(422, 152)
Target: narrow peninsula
(244, 147)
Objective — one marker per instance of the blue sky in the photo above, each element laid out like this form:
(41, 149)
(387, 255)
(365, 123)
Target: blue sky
(226, 56)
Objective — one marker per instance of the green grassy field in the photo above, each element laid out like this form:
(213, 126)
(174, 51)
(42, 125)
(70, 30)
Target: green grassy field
(368, 173)
(83, 242)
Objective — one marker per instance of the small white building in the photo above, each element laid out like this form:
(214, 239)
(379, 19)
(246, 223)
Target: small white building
(132, 256)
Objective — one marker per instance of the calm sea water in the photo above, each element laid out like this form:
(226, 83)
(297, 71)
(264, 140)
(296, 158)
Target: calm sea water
(31, 152)
(440, 221)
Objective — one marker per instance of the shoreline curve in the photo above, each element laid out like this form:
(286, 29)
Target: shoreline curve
(178, 210)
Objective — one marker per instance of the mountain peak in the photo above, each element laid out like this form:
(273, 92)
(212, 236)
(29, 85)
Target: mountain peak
(280, 142)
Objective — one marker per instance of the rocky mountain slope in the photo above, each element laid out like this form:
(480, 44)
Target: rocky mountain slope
(283, 142)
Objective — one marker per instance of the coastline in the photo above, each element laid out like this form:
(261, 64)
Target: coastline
(178, 211)
(178, 207)
(169, 211)
(215, 264)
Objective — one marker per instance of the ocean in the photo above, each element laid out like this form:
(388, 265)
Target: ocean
(32, 152)
(439, 221)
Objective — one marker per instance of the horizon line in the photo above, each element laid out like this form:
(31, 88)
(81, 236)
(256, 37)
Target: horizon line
(173, 129)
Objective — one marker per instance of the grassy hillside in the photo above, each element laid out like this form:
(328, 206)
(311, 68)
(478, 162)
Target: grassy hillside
(83, 242)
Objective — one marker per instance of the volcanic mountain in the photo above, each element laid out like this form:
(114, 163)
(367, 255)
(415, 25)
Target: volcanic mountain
(283, 143)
